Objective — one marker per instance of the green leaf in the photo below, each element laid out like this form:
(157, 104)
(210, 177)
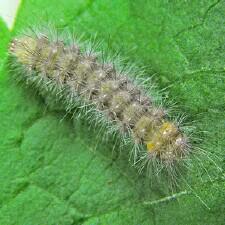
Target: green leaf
(4, 38)
(50, 172)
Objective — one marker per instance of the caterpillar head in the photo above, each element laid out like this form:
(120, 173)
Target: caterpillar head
(20, 47)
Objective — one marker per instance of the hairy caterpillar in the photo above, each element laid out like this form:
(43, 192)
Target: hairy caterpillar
(103, 93)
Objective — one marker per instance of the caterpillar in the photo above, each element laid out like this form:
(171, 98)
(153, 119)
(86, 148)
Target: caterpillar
(102, 93)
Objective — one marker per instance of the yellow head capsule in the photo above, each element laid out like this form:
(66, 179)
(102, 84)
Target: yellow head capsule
(21, 47)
